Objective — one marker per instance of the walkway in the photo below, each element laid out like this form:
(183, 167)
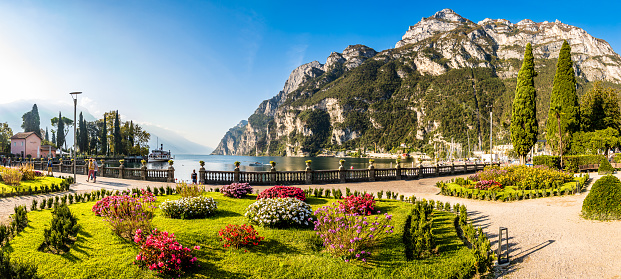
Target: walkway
(548, 239)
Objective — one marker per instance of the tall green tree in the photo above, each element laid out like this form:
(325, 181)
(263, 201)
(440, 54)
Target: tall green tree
(118, 139)
(104, 137)
(47, 135)
(60, 137)
(83, 135)
(564, 97)
(5, 137)
(599, 108)
(524, 126)
(31, 121)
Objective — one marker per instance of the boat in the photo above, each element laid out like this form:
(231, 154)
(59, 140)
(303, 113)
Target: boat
(256, 164)
(159, 155)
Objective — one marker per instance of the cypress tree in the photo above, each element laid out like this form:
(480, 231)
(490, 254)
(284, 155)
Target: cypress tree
(118, 141)
(83, 135)
(60, 137)
(104, 137)
(563, 98)
(524, 126)
(47, 135)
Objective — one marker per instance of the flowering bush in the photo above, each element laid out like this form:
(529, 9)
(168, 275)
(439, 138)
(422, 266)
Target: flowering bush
(350, 236)
(159, 251)
(189, 190)
(236, 190)
(537, 177)
(488, 185)
(126, 214)
(363, 205)
(238, 236)
(282, 192)
(188, 208)
(11, 176)
(279, 212)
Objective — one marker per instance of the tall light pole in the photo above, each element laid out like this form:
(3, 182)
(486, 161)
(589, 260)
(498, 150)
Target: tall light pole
(491, 152)
(74, 96)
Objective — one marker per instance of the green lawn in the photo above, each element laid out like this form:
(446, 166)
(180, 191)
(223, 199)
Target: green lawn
(513, 190)
(37, 182)
(285, 253)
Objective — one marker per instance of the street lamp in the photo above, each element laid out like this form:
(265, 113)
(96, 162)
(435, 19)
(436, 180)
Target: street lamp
(74, 96)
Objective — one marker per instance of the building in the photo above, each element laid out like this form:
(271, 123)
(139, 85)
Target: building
(24, 144)
(48, 151)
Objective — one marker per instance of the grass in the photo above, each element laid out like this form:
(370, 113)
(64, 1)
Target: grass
(37, 182)
(513, 190)
(285, 253)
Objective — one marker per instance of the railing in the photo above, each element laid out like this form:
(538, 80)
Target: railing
(273, 177)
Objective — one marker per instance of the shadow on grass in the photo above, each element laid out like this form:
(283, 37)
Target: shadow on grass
(272, 246)
(211, 269)
(221, 213)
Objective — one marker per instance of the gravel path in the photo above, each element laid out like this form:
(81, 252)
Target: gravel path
(547, 237)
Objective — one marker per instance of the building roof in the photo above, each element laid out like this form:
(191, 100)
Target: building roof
(24, 135)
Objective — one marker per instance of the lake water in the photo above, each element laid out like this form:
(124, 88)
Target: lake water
(184, 164)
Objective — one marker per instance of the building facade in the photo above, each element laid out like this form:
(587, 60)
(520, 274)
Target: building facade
(24, 144)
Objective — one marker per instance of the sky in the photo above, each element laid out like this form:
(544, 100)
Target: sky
(199, 67)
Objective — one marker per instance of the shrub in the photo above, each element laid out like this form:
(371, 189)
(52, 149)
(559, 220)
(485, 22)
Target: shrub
(549, 161)
(189, 208)
(126, 214)
(279, 212)
(364, 205)
(19, 219)
(11, 176)
(189, 190)
(160, 252)
(282, 192)
(237, 236)
(348, 236)
(13, 270)
(605, 167)
(603, 201)
(417, 237)
(62, 232)
(236, 190)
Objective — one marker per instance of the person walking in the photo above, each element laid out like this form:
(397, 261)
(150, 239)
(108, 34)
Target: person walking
(49, 167)
(91, 169)
(194, 176)
(95, 169)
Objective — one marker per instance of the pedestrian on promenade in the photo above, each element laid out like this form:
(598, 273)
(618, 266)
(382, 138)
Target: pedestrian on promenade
(95, 169)
(91, 169)
(49, 167)
(193, 176)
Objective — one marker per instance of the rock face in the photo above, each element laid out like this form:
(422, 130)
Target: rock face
(391, 97)
(466, 44)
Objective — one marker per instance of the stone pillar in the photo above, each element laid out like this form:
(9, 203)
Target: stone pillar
(103, 168)
(201, 175)
(452, 167)
(419, 173)
(121, 168)
(398, 171)
(236, 175)
(171, 174)
(143, 172)
(86, 167)
(371, 172)
(60, 166)
(437, 169)
(309, 175)
(273, 176)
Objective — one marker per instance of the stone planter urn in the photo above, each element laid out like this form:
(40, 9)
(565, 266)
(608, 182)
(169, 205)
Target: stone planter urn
(170, 162)
(371, 161)
(143, 162)
(341, 162)
(237, 163)
(308, 165)
(273, 165)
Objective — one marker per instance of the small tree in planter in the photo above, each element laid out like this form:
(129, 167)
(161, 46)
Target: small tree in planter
(143, 162)
(122, 161)
(170, 162)
(273, 165)
(237, 163)
(202, 163)
(308, 164)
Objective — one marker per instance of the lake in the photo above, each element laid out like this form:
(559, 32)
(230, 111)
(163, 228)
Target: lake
(184, 164)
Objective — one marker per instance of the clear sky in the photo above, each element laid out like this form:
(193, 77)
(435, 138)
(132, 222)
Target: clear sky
(199, 67)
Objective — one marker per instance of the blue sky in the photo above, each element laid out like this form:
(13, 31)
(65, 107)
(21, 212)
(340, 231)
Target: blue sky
(199, 67)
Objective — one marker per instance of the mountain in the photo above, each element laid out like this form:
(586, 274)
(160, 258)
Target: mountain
(435, 87)
(12, 114)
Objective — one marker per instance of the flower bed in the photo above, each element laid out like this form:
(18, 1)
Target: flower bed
(160, 252)
(189, 208)
(126, 214)
(279, 212)
(350, 236)
(282, 192)
(238, 236)
(358, 205)
(524, 177)
(236, 190)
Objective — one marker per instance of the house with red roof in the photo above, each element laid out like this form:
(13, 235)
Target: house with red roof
(24, 144)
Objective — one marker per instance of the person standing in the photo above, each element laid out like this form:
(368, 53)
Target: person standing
(194, 176)
(91, 169)
(49, 167)
(95, 169)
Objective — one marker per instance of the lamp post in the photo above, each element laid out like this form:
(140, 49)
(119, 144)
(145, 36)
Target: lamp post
(74, 96)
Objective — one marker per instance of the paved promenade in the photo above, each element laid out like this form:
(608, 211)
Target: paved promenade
(548, 239)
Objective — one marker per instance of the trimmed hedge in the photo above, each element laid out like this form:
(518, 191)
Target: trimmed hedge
(571, 162)
(605, 167)
(604, 200)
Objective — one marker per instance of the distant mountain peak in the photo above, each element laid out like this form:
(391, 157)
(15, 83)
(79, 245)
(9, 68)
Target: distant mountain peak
(448, 14)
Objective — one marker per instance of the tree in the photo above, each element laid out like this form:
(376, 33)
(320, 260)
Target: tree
(118, 140)
(104, 136)
(564, 97)
(60, 137)
(524, 126)
(47, 135)
(599, 108)
(83, 135)
(31, 121)
(5, 137)
(591, 142)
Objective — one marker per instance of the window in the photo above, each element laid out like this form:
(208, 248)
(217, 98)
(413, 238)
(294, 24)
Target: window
(22, 143)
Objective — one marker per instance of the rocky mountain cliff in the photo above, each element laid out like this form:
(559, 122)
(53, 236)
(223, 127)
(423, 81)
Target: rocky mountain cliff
(435, 86)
